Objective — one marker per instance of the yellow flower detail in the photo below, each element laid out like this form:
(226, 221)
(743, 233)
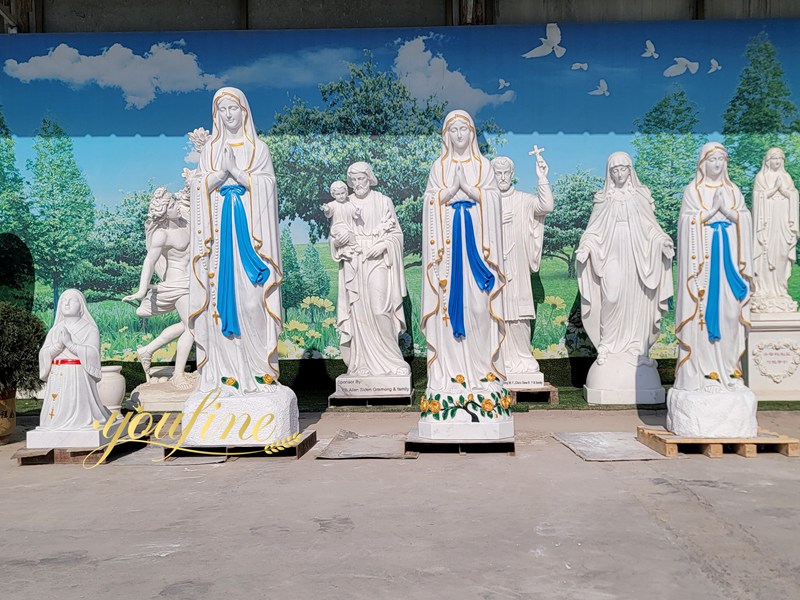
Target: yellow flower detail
(268, 379)
(327, 305)
(713, 375)
(298, 340)
(555, 302)
(423, 404)
(560, 320)
(505, 401)
(434, 406)
(491, 377)
(460, 379)
(329, 322)
(470, 397)
(229, 381)
(123, 329)
(295, 325)
(487, 405)
(313, 334)
(737, 373)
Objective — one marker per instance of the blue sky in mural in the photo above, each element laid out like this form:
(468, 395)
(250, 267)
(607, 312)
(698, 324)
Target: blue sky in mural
(129, 99)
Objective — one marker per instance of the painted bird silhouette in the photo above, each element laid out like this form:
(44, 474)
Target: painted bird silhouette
(502, 84)
(715, 66)
(602, 89)
(580, 66)
(650, 50)
(680, 67)
(549, 44)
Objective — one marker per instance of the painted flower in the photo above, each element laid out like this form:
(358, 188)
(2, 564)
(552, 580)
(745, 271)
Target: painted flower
(505, 402)
(713, 375)
(147, 337)
(560, 320)
(327, 305)
(434, 406)
(737, 374)
(491, 376)
(298, 340)
(266, 379)
(329, 322)
(123, 329)
(313, 334)
(555, 302)
(295, 325)
(487, 405)
(470, 397)
(460, 379)
(423, 404)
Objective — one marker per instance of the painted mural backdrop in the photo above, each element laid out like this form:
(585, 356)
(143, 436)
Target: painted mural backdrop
(90, 125)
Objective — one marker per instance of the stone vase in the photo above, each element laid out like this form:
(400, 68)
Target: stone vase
(111, 387)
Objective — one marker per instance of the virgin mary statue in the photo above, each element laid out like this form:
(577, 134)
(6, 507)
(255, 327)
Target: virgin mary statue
(234, 292)
(624, 262)
(775, 216)
(462, 307)
(715, 272)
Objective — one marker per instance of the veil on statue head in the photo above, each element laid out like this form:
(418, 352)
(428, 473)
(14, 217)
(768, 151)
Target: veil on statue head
(85, 318)
(618, 159)
(705, 152)
(475, 149)
(219, 134)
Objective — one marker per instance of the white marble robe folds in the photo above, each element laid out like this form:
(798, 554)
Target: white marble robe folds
(625, 275)
(370, 299)
(71, 401)
(775, 219)
(472, 364)
(246, 362)
(709, 355)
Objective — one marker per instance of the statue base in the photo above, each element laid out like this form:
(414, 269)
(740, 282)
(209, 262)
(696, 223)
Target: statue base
(66, 438)
(486, 430)
(354, 386)
(524, 382)
(773, 356)
(255, 419)
(723, 414)
(623, 379)
(160, 395)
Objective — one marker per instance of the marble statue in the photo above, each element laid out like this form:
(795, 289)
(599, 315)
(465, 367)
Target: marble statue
(69, 363)
(167, 240)
(776, 229)
(462, 303)
(367, 242)
(523, 217)
(712, 311)
(234, 286)
(624, 268)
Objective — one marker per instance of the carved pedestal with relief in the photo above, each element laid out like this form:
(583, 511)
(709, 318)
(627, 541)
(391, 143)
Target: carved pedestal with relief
(773, 356)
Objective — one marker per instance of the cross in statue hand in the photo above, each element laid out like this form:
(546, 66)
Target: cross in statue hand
(536, 151)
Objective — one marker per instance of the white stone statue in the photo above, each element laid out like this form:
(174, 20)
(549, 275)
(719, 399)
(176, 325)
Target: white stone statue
(167, 238)
(523, 236)
(367, 242)
(775, 219)
(234, 290)
(462, 304)
(624, 267)
(69, 363)
(715, 270)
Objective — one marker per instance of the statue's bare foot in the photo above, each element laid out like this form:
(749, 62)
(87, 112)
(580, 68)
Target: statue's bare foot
(145, 358)
(181, 382)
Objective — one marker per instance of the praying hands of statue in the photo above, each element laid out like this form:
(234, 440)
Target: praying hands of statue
(716, 205)
(65, 340)
(468, 189)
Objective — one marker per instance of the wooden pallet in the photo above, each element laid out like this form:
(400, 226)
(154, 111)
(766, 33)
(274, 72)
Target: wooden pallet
(309, 438)
(668, 444)
(550, 390)
(68, 456)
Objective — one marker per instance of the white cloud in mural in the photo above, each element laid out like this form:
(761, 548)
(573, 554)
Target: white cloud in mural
(165, 68)
(427, 75)
(300, 69)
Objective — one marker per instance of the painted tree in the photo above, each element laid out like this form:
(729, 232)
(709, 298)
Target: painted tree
(368, 115)
(14, 209)
(292, 292)
(666, 153)
(315, 279)
(116, 249)
(760, 114)
(573, 195)
(62, 204)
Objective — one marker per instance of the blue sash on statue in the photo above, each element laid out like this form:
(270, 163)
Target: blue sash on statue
(234, 215)
(735, 282)
(483, 277)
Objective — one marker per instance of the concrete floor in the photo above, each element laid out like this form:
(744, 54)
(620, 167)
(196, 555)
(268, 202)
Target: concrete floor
(543, 524)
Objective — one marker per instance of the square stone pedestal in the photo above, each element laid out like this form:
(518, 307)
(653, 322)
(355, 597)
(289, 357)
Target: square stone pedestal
(64, 438)
(773, 356)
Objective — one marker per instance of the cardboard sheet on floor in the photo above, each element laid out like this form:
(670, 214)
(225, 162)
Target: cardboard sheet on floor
(348, 444)
(607, 446)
